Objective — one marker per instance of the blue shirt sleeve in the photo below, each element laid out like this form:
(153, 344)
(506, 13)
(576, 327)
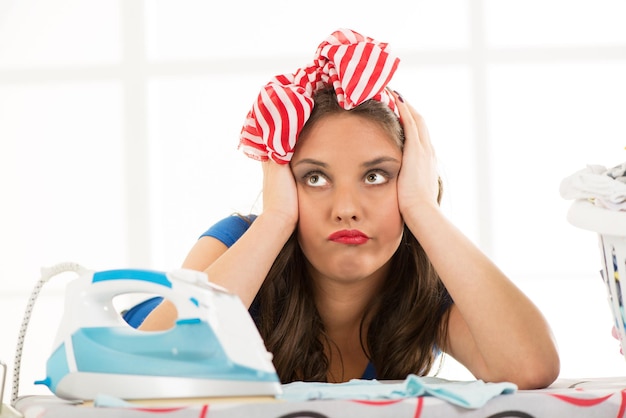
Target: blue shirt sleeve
(138, 313)
(230, 229)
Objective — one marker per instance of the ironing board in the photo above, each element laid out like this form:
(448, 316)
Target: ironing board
(601, 397)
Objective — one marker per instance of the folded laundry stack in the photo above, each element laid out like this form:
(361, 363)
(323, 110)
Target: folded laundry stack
(605, 187)
(600, 205)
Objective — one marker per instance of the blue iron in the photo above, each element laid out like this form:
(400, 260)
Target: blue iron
(214, 349)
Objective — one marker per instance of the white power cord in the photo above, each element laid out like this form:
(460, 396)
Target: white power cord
(46, 274)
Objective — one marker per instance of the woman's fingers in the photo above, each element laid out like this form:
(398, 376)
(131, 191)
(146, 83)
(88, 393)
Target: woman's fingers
(419, 172)
(413, 123)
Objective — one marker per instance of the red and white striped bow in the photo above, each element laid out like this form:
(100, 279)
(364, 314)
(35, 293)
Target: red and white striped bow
(358, 67)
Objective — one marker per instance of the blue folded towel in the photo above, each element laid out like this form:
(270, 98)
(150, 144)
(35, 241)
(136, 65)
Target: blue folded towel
(471, 394)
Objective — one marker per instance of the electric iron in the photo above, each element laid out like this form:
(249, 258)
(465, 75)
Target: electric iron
(214, 350)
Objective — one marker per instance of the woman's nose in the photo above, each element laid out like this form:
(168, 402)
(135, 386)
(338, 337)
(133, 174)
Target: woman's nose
(345, 205)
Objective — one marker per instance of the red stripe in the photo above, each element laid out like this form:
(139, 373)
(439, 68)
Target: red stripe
(299, 108)
(204, 411)
(249, 147)
(278, 159)
(380, 65)
(282, 79)
(248, 130)
(266, 115)
(394, 67)
(420, 406)
(157, 410)
(281, 107)
(345, 60)
(359, 70)
(294, 103)
(302, 114)
(580, 401)
(622, 406)
(343, 38)
(378, 402)
(374, 76)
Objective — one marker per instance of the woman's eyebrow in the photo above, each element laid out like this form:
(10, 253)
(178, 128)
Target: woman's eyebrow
(380, 160)
(367, 164)
(310, 161)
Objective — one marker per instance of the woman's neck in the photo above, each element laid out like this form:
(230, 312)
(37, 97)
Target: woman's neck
(345, 309)
(342, 305)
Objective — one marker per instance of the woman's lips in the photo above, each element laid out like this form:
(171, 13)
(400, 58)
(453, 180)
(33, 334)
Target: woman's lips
(349, 237)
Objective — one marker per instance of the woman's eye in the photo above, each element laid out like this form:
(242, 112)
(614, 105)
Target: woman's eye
(375, 178)
(315, 180)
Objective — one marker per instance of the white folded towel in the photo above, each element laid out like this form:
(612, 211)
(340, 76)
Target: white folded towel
(606, 187)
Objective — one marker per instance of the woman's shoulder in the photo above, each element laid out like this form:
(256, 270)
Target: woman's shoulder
(230, 229)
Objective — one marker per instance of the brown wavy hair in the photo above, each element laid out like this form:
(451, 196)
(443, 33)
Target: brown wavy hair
(407, 320)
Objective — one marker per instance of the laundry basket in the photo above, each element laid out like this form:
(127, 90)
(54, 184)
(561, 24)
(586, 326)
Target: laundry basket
(610, 225)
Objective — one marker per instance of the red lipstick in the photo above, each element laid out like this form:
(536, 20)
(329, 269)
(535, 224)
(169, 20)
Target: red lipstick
(349, 237)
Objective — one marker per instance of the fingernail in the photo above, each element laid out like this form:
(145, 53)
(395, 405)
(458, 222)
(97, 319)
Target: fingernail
(399, 96)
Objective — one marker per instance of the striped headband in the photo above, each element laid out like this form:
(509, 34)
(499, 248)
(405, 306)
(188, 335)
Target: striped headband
(357, 67)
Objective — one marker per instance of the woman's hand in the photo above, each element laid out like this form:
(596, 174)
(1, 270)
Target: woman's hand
(418, 182)
(280, 196)
(493, 328)
(243, 267)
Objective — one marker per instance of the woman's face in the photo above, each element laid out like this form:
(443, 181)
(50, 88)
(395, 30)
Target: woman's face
(346, 168)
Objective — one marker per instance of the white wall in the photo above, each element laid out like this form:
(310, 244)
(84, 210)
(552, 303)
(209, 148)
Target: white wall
(119, 123)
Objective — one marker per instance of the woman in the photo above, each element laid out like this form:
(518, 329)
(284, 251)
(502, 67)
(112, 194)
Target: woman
(352, 270)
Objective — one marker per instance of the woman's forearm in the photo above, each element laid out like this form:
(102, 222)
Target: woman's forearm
(498, 333)
(244, 266)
